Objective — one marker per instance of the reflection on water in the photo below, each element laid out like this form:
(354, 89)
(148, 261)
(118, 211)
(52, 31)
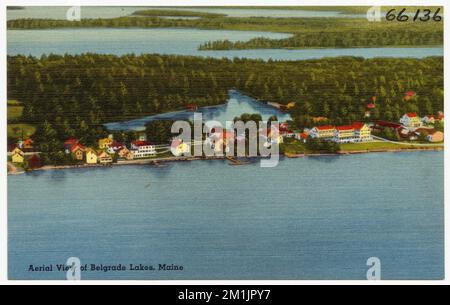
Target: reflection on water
(235, 106)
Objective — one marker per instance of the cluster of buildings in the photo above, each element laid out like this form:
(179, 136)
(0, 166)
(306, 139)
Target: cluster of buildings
(108, 148)
(106, 151)
(411, 126)
(356, 132)
(412, 120)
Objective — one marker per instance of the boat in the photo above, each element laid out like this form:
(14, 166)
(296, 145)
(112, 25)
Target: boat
(234, 161)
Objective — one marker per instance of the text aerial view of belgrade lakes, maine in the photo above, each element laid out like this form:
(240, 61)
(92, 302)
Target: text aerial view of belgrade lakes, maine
(354, 106)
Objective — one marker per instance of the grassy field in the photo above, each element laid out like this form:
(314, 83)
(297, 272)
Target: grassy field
(377, 146)
(296, 147)
(18, 130)
(293, 147)
(15, 109)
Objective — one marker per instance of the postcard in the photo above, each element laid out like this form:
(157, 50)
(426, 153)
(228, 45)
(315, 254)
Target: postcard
(225, 142)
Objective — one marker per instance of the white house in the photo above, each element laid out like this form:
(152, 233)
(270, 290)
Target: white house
(410, 120)
(142, 149)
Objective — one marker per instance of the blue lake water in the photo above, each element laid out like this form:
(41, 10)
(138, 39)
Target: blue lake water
(307, 218)
(177, 41)
(235, 106)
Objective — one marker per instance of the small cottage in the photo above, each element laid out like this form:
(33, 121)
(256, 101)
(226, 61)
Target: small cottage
(17, 155)
(78, 151)
(104, 158)
(91, 156)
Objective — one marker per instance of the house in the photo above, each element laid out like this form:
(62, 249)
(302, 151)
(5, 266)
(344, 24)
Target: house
(301, 136)
(179, 148)
(142, 149)
(344, 134)
(105, 142)
(34, 161)
(322, 132)
(91, 156)
(436, 136)
(219, 139)
(104, 158)
(129, 155)
(191, 107)
(17, 155)
(284, 126)
(114, 147)
(287, 133)
(69, 143)
(410, 120)
(362, 132)
(290, 105)
(123, 152)
(78, 151)
(409, 95)
(428, 119)
(28, 144)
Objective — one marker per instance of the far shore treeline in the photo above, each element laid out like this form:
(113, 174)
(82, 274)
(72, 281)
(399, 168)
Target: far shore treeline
(74, 95)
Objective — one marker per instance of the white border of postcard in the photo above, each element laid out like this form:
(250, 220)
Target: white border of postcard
(3, 122)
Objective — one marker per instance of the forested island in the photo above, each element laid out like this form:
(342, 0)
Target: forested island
(74, 95)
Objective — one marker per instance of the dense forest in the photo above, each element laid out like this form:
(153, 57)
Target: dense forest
(307, 32)
(347, 39)
(76, 94)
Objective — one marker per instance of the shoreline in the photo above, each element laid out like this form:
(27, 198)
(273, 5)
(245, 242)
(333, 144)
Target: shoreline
(12, 170)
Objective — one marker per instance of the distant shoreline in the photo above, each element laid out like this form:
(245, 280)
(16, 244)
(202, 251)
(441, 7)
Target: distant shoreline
(12, 170)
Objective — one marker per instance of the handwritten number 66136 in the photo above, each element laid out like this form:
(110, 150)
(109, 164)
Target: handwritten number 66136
(402, 17)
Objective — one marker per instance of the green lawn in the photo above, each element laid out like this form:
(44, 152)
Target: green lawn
(15, 130)
(15, 109)
(376, 146)
(296, 147)
(293, 147)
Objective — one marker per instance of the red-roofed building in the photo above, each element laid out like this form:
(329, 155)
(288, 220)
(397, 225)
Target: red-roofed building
(409, 95)
(362, 131)
(69, 143)
(344, 134)
(322, 132)
(78, 151)
(191, 107)
(142, 149)
(410, 120)
(301, 136)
